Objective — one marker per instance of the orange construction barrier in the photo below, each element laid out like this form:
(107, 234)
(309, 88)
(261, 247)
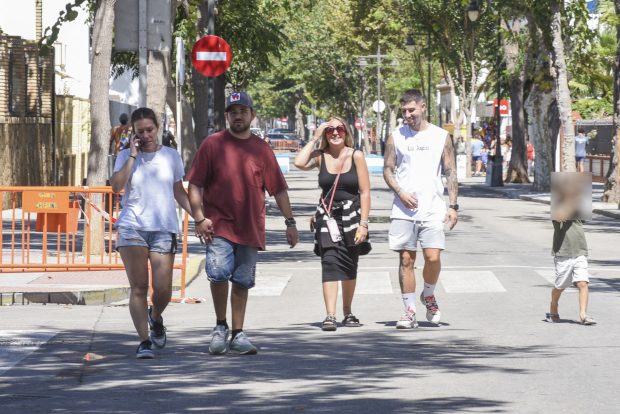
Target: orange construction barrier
(73, 231)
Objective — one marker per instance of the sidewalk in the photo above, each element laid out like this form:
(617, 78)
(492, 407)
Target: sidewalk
(525, 192)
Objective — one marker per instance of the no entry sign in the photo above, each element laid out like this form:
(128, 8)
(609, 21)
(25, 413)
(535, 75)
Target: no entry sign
(211, 56)
(360, 124)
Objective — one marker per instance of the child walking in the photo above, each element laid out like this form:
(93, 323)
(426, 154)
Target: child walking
(570, 252)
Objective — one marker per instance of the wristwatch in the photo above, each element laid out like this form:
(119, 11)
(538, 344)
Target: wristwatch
(454, 207)
(290, 222)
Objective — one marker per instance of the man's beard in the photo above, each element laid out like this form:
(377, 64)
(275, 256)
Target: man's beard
(241, 129)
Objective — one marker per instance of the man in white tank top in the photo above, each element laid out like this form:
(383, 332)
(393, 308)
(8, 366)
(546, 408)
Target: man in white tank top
(414, 154)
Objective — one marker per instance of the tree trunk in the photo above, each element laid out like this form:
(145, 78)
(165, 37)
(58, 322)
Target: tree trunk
(538, 105)
(188, 146)
(560, 73)
(158, 75)
(612, 183)
(517, 169)
(299, 117)
(99, 114)
(219, 101)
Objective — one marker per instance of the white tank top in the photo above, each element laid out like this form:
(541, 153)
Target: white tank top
(418, 171)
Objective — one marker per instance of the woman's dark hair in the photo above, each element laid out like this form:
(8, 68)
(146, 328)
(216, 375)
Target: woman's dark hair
(143, 113)
(581, 130)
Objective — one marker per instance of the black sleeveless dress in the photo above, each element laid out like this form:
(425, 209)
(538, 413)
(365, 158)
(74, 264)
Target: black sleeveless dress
(338, 260)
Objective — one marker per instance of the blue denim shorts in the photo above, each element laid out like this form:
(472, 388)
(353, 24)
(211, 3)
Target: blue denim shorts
(231, 262)
(156, 241)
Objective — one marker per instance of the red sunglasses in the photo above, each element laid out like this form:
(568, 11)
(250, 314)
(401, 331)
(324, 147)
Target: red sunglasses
(339, 129)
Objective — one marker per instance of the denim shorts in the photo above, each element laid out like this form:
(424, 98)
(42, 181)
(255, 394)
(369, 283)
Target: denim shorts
(156, 241)
(231, 262)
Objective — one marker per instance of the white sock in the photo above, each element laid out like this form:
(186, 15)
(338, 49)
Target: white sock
(428, 290)
(409, 301)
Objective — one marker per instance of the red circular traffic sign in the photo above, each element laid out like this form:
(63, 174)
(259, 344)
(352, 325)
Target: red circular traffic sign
(211, 56)
(360, 124)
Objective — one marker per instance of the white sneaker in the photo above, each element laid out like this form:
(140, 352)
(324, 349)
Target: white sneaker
(407, 321)
(433, 315)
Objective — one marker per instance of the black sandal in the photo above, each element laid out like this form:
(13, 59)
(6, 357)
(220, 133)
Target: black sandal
(351, 321)
(329, 324)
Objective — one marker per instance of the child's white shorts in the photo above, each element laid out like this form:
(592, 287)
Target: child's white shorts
(570, 270)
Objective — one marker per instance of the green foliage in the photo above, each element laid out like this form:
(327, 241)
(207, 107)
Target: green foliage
(50, 35)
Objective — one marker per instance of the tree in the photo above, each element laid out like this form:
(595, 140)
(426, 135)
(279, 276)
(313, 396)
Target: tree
(563, 97)
(99, 109)
(612, 182)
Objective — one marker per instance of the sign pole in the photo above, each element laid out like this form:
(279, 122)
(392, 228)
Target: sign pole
(179, 94)
(210, 81)
(142, 51)
(379, 114)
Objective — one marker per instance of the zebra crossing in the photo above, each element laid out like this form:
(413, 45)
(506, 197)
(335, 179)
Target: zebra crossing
(381, 282)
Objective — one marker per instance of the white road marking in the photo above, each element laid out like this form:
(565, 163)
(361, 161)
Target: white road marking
(270, 284)
(16, 345)
(373, 283)
(482, 281)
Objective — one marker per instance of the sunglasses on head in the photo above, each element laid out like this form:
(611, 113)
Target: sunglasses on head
(339, 129)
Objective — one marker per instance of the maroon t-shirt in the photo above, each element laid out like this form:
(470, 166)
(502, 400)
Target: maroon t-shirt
(235, 174)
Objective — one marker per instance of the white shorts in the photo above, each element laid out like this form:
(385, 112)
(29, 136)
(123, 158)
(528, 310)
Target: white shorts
(570, 270)
(405, 234)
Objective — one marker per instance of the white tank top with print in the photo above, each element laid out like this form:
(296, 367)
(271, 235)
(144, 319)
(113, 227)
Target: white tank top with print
(418, 172)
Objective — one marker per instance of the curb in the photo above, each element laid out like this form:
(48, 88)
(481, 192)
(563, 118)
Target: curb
(92, 297)
(527, 197)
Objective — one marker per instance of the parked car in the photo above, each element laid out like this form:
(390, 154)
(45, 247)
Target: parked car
(279, 131)
(284, 141)
(258, 132)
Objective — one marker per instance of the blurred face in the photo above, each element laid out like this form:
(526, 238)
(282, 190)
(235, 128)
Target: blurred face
(146, 130)
(413, 113)
(239, 118)
(335, 133)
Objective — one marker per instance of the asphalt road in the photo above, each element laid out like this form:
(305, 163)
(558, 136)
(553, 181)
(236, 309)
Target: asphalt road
(492, 353)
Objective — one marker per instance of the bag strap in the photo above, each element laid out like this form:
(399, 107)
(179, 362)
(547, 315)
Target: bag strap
(328, 210)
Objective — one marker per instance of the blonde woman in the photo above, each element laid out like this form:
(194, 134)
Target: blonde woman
(341, 219)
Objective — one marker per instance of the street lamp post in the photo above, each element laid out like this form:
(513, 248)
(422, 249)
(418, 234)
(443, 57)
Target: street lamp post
(410, 47)
(473, 12)
(362, 62)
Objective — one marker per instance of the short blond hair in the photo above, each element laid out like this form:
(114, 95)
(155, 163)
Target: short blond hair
(348, 138)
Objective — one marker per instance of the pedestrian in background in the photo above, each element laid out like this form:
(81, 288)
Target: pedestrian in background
(476, 154)
(119, 136)
(581, 142)
(341, 219)
(531, 155)
(151, 176)
(412, 169)
(227, 183)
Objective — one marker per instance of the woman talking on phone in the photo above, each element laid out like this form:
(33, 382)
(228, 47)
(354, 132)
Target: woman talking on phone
(151, 176)
(341, 219)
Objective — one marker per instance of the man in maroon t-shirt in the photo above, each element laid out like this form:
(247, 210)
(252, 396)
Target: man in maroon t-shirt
(227, 183)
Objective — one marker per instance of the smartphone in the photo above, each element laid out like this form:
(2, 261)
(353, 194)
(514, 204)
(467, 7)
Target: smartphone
(137, 141)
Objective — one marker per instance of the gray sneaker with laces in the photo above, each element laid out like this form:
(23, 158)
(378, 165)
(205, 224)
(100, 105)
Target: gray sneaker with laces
(219, 338)
(242, 345)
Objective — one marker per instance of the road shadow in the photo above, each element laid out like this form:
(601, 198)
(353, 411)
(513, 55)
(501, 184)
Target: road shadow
(295, 370)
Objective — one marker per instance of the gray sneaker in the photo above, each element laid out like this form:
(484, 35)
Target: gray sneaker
(218, 345)
(242, 345)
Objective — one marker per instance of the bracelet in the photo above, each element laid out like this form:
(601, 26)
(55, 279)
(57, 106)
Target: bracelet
(290, 222)
(200, 221)
(364, 225)
(133, 156)
(364, 222)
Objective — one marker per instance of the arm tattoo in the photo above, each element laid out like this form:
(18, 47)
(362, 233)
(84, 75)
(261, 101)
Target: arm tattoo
(449, 163)
(389, 165)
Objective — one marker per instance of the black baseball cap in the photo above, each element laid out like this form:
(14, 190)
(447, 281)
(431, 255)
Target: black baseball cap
(239, 98)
